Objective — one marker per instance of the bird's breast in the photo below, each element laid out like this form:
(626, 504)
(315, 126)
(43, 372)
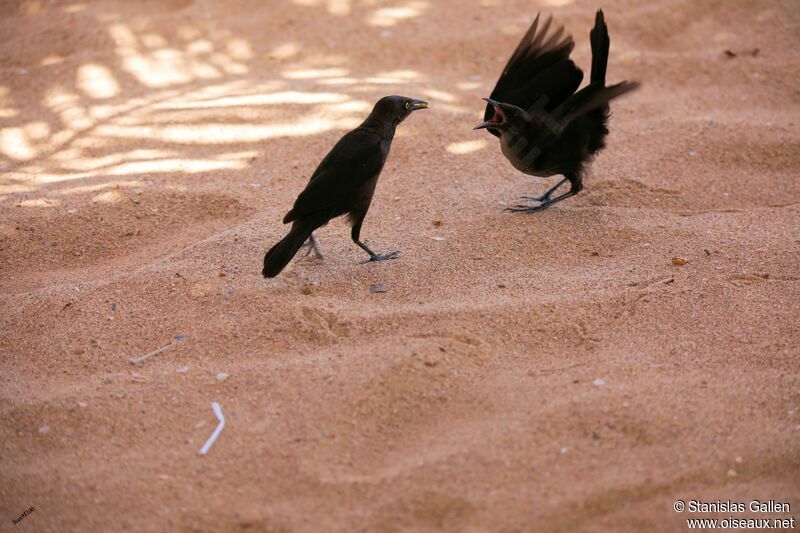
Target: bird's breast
(524, 156)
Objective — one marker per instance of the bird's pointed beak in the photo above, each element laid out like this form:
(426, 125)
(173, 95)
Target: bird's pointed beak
(418, 104)
(498, 113)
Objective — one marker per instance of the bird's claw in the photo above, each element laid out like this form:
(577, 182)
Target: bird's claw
(382, 257)
(527, 208)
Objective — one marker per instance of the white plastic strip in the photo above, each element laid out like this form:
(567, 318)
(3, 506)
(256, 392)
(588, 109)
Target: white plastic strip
(217, 411)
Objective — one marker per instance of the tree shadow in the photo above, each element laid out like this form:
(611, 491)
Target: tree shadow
(88, 97)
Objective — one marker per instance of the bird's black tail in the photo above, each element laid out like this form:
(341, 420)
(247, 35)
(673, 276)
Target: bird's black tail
(600, 46)
(279, 255)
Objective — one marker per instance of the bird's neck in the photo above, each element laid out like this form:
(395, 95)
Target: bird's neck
(385, 128)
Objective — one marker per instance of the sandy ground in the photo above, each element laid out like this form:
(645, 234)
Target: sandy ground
(545, 372)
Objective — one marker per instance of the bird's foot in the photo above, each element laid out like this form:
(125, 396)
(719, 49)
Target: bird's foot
(546, 198)
(382, 257)
(543, 198)
(529, 209)
(312, 247)
(546, 202)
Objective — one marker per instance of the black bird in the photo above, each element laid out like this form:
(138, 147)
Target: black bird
(546, 127)
(343, 183)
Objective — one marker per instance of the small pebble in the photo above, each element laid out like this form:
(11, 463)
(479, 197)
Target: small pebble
(83, 404)
(378, 287)
(564, 450)
(679, 261)
(222, 376)
(182, 369)
(599, 382)
(438, 238)
(732, 473)
(44, 429)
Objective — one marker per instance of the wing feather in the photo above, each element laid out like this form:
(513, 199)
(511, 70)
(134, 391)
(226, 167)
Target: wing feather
(539, 72)
(355, 159)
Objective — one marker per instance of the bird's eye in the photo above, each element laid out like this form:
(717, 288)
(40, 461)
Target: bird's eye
(408, 104)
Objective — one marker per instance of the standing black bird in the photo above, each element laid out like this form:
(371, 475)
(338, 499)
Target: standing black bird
(343, 183)
(545, 127)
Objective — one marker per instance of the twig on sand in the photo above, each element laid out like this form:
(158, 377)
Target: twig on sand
(217, 411)
(142, 358)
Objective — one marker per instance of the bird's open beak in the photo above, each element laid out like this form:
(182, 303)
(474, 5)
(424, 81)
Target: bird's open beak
(418, 104)
(498, 114)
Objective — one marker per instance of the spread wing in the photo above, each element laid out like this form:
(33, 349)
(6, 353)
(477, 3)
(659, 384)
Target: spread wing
(540, 74)
(354, 160)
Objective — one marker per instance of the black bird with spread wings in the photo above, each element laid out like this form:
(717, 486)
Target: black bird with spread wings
(546, 127)
(343, 183)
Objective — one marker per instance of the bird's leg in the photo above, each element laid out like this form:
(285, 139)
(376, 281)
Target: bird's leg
(546, 196)
(576, 186)
(311, 243)
(356, 233)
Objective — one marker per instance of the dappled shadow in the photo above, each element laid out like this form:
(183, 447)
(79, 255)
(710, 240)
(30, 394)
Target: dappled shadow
(120, 96)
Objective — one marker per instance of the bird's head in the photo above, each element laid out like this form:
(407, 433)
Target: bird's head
(500, 116)
(397, 108)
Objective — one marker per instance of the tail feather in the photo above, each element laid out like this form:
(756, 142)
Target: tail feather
(600, 46)
(279, 255)
(594, 96)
